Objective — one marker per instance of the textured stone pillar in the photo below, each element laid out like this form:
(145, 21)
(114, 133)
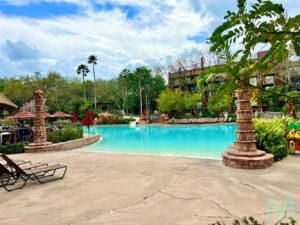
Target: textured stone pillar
(40, 136)
(244, 153)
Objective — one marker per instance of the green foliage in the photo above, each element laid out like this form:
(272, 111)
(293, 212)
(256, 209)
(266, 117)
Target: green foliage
(220, 82)
(53, 136)
(270, 136)
(178, 102)
(67, 94)
(10, 122)
(114, 120)
(265, 22)
(217, 105)
(65, 134)
(252, 221)
(62, 122)
(137, 87)
(232, 116)
(276, 99)
(13, 148)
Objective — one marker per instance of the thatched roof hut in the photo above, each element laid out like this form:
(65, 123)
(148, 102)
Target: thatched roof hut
(6, 103)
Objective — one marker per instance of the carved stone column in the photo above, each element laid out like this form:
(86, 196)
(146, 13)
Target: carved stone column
(244, 153)
(40, 135)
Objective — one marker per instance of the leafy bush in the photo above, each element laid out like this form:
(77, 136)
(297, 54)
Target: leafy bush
(252, 221)
(9, 122)
(65, 134)
(125, 120)
(112, 119)
(13, 148)
(53, 136)
(62, 122)
(232, 116)
(177, 103)
(270, 136)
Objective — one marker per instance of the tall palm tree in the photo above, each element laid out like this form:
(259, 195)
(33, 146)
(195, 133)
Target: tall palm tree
(264, 23)
(219, 80)
(84, 70)
(93, 60)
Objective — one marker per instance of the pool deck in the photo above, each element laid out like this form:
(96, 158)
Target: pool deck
(119, 189)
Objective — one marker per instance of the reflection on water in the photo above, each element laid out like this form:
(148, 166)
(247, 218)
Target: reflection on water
(191, 141)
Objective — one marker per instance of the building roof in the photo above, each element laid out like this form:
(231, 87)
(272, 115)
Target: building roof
(6, 102)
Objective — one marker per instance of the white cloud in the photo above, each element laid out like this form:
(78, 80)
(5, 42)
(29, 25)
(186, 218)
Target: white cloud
(26, 2)
(159, 31)
(110, 35)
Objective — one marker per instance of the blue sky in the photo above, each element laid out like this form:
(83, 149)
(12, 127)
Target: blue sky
(58, 35)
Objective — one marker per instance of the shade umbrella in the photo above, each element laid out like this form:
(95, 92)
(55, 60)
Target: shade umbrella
(22, 115)
(61, 115)
(47, 115)
(74, 119)
(88, 120)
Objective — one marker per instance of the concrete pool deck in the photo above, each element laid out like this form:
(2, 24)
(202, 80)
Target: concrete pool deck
(117, 189)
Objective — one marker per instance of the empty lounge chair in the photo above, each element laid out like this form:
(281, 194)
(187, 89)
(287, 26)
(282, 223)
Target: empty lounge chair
(9, 177)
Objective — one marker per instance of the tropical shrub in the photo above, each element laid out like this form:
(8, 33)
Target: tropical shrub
(10, 122)
(13, 148)
(114, 121)
(125, 120)
(65, 134)
(252, 221)
(61, 122)
(270, 136)
(107, 118)
(177, 103)
(232, 116)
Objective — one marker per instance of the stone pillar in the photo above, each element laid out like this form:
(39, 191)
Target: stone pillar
(244, 153)
(245, 135)
(40, 136)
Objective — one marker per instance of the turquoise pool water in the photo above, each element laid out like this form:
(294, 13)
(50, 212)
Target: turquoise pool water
(207, 141)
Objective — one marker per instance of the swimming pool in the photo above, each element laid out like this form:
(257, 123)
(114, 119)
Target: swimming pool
(208, 141)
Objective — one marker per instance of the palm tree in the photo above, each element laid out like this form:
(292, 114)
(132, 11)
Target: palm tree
(265, 23)
(219, 80)
(93, 60)
(84, 70)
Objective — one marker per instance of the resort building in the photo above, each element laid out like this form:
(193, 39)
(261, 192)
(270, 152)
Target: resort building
(185, 79)
(285, 74)
(294, 72)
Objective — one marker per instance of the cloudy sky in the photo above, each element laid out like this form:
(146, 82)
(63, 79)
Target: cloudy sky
(58, 35)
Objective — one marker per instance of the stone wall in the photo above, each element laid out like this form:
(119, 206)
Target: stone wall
(63, 146)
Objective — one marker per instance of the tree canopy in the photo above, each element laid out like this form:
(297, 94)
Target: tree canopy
(263, 24)
(67, 94)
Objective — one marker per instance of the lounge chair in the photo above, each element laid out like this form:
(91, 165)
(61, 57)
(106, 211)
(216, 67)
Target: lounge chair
(6, 176)
(18, 162)
(22, 163)
(16, 173)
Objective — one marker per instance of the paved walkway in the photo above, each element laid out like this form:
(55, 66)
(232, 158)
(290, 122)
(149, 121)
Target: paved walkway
(119, 189)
